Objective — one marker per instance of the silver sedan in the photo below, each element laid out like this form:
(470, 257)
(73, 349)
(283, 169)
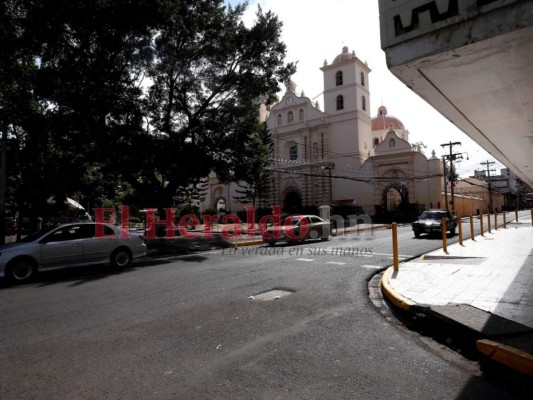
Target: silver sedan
(69, 245)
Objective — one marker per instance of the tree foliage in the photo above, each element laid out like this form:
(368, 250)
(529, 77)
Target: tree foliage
(152, 94)
(252, 172)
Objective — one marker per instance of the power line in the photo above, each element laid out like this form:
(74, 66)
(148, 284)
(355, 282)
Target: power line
(357, 179)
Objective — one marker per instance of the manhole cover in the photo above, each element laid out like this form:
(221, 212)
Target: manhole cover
(271, 295)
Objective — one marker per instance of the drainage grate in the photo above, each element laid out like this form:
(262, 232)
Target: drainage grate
(271, 295)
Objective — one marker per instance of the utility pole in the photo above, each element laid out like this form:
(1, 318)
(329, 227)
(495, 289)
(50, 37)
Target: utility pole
(452, 156)
(488, 164)
(445, 183)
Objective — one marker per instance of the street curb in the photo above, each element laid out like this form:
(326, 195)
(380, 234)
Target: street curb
(508, 356)
(249, 243)
(257, 242)
(372, 228)
(397, 299)
(511, 357)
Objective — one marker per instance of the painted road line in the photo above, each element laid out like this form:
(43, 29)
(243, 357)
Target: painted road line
(336, 263)
(372, 266)
(305, 259)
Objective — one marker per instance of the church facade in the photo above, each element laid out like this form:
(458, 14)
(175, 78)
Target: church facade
(340, 155)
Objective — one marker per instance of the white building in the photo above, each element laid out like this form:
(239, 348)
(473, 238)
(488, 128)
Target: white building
(340, 155)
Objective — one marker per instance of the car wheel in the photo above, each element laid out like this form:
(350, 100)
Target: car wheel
(417, 234)
(271, 243)
(121, 258)
(21, 270)
(324, 239)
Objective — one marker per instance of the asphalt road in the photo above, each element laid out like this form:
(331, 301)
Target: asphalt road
(187, 328)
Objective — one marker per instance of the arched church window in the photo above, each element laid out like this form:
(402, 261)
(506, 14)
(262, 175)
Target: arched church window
(290, 117)
(362, 79)
(376, 142)
(340, 102)
(301, 114)
(293, 152)
(279, 119)
(363, 103)
(338, 78)
(315, 150)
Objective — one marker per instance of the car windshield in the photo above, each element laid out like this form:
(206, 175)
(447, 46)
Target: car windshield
(432, 215)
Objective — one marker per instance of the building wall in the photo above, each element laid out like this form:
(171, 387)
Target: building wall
(323, 157)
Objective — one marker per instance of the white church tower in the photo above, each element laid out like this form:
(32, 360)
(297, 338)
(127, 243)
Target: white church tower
(347, 102)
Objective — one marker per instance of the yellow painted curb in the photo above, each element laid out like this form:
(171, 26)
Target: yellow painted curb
(509, 356)
(249, 243)
(397, 299)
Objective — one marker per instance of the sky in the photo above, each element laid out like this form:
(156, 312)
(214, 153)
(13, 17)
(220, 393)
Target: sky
(317, 30)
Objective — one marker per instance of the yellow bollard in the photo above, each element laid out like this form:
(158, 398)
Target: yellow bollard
(488, 222)
(481, 224)
(444, 238)
(472, 227)
(496, 221)
(395, 246)
(504, 220)
(460, 231)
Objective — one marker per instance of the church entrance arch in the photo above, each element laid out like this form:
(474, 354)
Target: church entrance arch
(394, 196)
(292, 201)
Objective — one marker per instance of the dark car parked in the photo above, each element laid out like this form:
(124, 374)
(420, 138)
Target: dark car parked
(431, 222)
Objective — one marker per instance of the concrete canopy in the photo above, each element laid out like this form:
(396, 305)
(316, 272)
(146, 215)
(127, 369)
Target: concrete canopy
(473, 61)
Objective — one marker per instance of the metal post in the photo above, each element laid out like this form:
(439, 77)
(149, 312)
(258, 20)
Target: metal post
(504, 220)
(488, 222)
(460, 231)
(395, 246)
(516, 214)
(445, 184)
(444, 238)
(472, 228)
(495, 220)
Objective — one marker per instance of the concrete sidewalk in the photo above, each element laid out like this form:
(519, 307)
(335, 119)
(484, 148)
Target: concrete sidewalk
(483, 289)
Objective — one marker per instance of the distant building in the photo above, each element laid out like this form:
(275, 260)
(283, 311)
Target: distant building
(508, 184)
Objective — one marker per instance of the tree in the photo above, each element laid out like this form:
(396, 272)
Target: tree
(252, 172)
(153, 93)
(75, 66)
(419, 146)
(211, 73)
(192, 194)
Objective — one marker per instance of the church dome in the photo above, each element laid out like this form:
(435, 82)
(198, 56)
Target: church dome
(384, 121)
(344, 56)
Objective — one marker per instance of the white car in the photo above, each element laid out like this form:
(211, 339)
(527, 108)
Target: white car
(297, 229)
(69, 245)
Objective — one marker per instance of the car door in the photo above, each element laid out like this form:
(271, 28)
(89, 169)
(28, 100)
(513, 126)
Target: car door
(97, 247)
(316, 228)
(62, 247)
